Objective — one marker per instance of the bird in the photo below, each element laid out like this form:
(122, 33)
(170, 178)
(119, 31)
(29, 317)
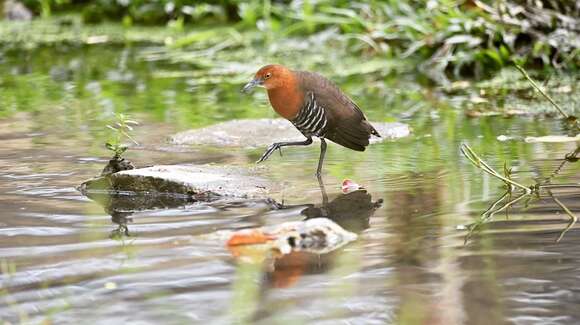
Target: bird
(316, 107)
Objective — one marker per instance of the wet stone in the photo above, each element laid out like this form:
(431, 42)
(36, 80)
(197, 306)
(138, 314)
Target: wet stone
(262, 132)
(117, 164)
(204, 183)
(317, 235)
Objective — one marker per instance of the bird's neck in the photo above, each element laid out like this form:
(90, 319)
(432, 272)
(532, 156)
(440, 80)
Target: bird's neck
(286, 100)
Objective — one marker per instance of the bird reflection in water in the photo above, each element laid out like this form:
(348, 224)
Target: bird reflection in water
(121, 219)
(351, 211)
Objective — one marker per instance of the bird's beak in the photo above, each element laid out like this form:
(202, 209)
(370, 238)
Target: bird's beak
(252, 84)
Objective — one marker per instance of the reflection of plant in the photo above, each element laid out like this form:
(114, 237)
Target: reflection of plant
(121, 128)
(528, 192)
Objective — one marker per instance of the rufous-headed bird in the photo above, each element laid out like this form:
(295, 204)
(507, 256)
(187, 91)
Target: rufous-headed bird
(316, 107)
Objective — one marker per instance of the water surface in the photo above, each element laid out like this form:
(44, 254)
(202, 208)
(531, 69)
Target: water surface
(67, 259)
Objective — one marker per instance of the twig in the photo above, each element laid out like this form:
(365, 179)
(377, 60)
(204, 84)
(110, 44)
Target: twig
(533, 83)
(479, 163)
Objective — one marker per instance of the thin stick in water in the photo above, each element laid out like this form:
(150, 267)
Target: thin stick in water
(479, 163)
(535, 85)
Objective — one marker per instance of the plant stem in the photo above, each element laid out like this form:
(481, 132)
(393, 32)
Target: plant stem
(533, 83)
(479, 163)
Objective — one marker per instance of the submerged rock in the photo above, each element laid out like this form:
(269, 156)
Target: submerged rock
(318, 235)
(262, 132)
(197, 182)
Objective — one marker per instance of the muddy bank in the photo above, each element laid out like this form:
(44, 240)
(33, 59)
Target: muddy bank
(262, 132)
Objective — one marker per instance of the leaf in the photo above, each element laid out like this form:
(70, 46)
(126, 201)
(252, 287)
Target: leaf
(471, 41)
(505, 53)
(494, 56)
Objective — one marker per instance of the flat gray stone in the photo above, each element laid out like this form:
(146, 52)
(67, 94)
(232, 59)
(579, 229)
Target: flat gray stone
(262, 132)
(203, 183)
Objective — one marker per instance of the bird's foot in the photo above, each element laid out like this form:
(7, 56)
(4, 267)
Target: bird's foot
(269, 152)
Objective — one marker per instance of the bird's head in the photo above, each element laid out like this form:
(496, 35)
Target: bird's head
(270, 77)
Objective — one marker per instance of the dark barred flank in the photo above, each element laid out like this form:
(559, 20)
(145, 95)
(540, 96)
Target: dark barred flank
(311, 120)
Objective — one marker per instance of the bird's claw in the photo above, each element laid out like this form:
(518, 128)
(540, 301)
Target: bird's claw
(269, 152)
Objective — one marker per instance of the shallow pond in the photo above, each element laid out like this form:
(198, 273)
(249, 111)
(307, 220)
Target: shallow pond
(64, 259)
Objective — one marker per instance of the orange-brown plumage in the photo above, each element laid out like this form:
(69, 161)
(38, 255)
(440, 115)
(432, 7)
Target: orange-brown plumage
(283, 90)
(316, 107)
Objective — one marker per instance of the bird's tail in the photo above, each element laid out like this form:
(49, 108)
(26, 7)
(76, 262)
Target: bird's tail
(355, 137)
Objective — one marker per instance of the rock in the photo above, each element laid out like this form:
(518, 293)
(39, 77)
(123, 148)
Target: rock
(318, 235)
(117, 164)
(262, 132)
(552, 139)
(205, 182)
(14, 10)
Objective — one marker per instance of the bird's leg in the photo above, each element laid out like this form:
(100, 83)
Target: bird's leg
(321, 159)
(279, 145)
(323, 192)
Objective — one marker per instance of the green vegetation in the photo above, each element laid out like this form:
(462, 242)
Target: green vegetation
(121, 128)
(441, 39)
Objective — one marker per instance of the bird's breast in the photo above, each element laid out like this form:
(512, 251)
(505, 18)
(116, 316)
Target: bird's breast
(286, 102)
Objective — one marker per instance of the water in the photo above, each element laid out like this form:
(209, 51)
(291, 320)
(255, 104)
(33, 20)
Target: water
(65, 258)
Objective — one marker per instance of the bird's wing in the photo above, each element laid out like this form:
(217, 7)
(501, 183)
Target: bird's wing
(347, 124)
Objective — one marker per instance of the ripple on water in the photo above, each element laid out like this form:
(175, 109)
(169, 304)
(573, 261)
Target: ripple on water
(36, 231)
